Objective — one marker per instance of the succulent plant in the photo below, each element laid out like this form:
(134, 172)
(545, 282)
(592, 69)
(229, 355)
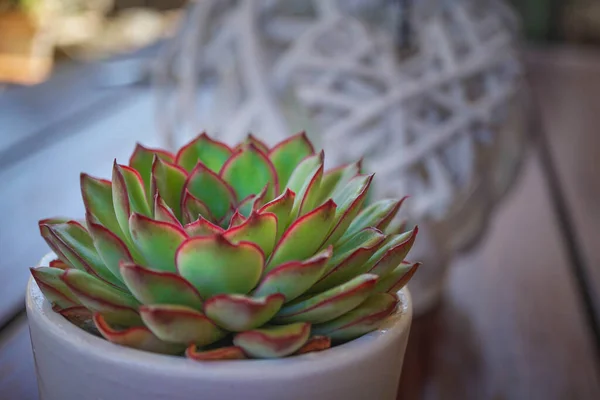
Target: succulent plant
(227, 253)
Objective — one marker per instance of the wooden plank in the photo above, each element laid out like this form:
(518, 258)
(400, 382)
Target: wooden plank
(17, 369)
(47, 184)
(510, 325)
(567, 83)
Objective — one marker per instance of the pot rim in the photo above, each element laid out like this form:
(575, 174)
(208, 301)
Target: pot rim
(40, 310)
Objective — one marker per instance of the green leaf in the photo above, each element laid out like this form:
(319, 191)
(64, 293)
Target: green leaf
(157, 241)
(395, 280)
(162, 212)
(128, 196)
(330, 304)
(286, 155)
(349, 260)
(209, 152)
(259, 229)
(214, 265)
(168, 180)
(115, 305)
(282, 207)
(304, 171)
(377, 215)
(251, 139)
(293, 278)
(53, 288)
(336, 178)
(248, 171)
(211, 190)
(97, 197)
(158, 287)
(307, 197)
(202, 227)
(392, 253)
(110, 247)
(137, 338)
(363, 319)
(142, 159)
(350, 200)
(180, 324)
(192, 209)
(274, 342)
(304, 237)
(238, 313)
(76, 248)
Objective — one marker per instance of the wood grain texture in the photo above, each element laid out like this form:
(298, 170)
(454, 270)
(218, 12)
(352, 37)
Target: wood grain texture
(568, 93)
(510, 325)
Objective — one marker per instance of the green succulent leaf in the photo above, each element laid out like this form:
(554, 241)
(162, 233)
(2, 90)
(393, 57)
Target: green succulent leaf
(192, 209)
(288, 154)
(236, 219)
(110, 247)
(395, 280)
(238, 313)
(392, 253)
(377, 215)
(363, 319)
(211, 190)
(209, 152)
(304, 171)
(53, 288)
(307, 197)
(97, 197)
(337, 178)
(214, 265)
(202, 227)
(76, 248)
(168, 181)
(180, 324)
(281, 206)
(259, 229)
(248, 171)
(137, 338)
(350, 200)
(251, 139)
(157, 241)
(142, 159)
(330, 304)
(222, 353)
(252, 202)
(304, 237)
(273, 342)
(128, 196)
(293, 278)
(157, 287)
(349, 259)
(114, 304)
(162, 212)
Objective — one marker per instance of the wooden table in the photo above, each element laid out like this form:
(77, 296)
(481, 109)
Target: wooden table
(513, 323)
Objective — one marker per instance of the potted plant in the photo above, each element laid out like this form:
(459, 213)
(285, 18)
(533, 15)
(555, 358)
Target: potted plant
(25, 44)
(240, 259)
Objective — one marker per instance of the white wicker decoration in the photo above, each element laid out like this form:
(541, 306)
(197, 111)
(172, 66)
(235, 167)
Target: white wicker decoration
(275, 66)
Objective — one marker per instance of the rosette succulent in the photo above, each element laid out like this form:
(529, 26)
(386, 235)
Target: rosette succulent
(227, 253)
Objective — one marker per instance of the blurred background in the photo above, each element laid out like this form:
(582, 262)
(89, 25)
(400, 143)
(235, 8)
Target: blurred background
(484, 111)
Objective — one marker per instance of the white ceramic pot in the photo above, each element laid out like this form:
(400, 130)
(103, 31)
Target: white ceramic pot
(72, 364)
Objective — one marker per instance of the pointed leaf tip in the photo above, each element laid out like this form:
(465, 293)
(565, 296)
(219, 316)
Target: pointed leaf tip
(274, 342)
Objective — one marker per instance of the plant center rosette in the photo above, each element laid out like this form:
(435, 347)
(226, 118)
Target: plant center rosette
(228, 253)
